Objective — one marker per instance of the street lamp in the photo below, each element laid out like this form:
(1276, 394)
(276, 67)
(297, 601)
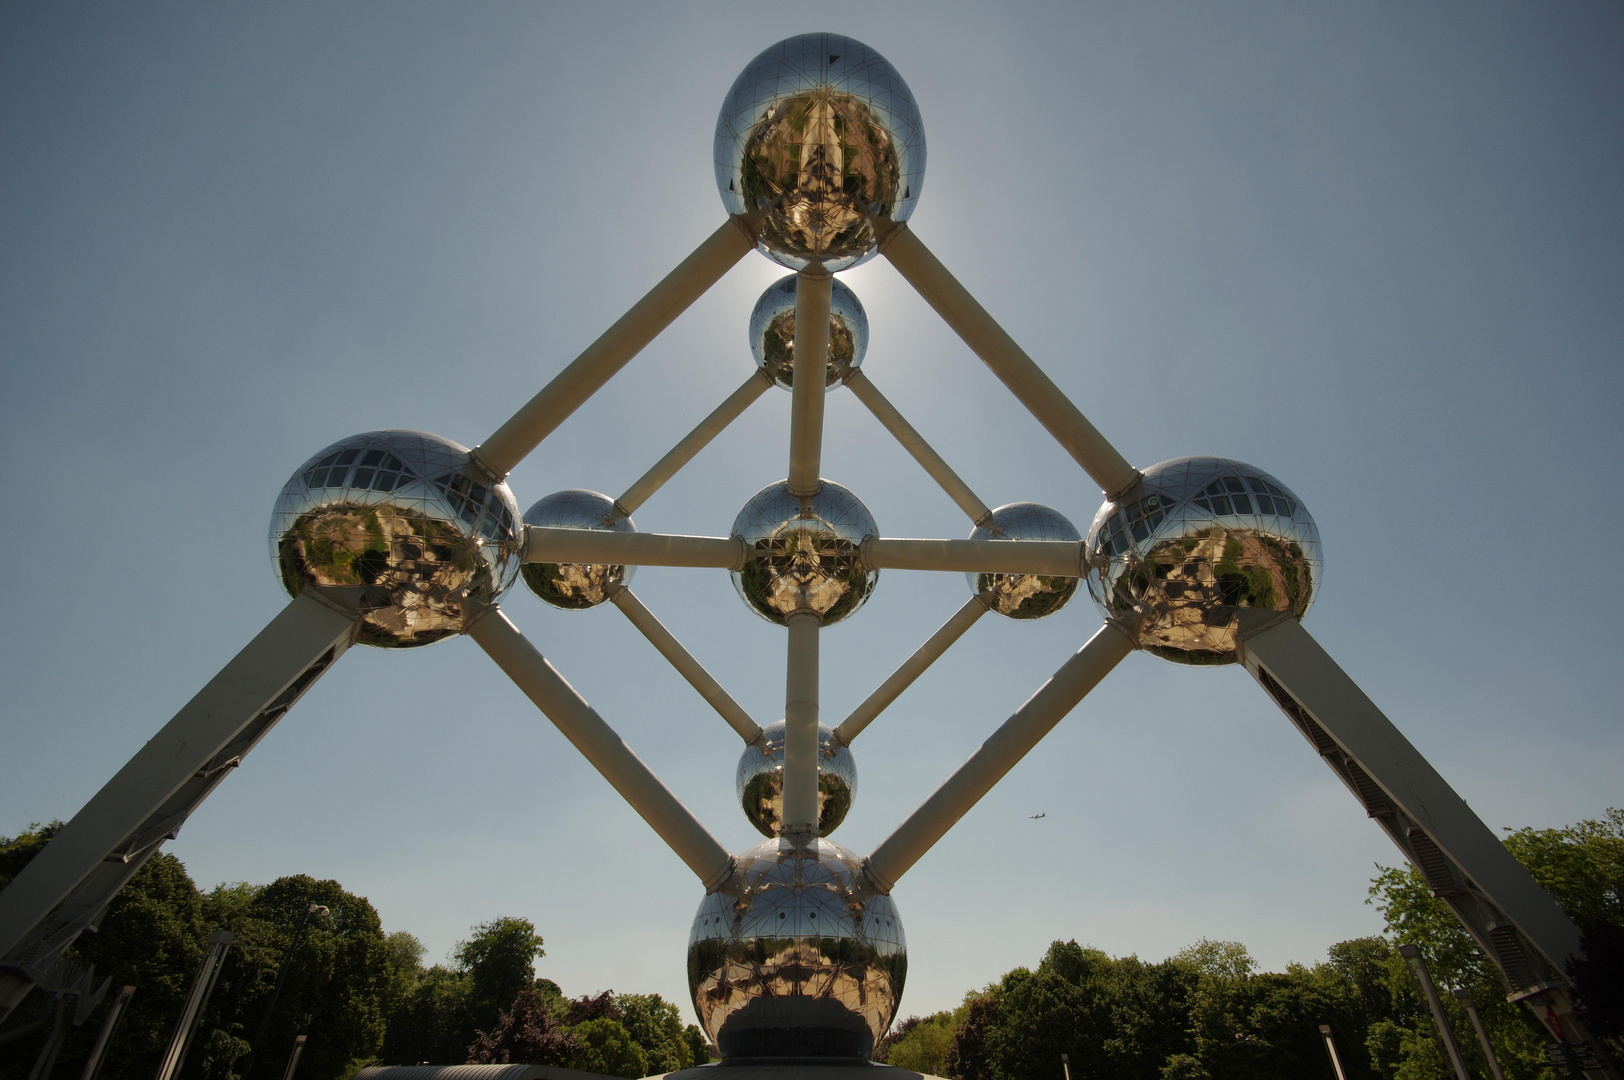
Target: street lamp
(265, 1021)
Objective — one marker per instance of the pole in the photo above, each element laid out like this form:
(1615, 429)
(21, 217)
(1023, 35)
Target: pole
(1413, 955)
(1330, 1048)
(192, 1011)
(1055, 558)
(1065, 1064)
(913, 667)
(801, 724)
(813, 288)
(46, 1061)
(293, 1062)
(1465, 998)
(695, 441)
(281, 977)
(115, 1013)
(688, 667)
(893, 421)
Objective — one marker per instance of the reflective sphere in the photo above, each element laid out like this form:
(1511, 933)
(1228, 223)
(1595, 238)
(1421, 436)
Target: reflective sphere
(821, 132)
(576, 586)
(796, 956)
(407, 517)
(772, 333)
(1193, 541)
(761, 781)
(1025, 596)
(805, 553)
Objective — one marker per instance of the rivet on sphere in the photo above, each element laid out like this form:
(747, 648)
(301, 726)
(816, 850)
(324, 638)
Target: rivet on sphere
(1025, 596)
(805, 553)
(1196, 539)
(760, 781)
(408, 518)
(577, 586)
(772, 333)
(821, 132)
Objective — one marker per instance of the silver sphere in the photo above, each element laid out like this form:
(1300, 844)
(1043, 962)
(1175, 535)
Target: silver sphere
(577, 586)
(796, 956)
(407, 517)
(1025, 596)
(822, 133)
(772, 333)
(760, 781)
(1196, 539)
(805, 553)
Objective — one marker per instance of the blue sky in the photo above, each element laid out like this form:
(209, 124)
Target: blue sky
(1374, 250)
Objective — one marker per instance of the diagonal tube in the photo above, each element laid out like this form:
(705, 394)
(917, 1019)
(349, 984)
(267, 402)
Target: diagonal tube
(617, 345)
(913, 667)
(1056, 558)
(995, 757)
(813, 290)
(1007, 360)
(915, 444)
(695, 441)
(599, 744)
(689, 668)
(801, 725)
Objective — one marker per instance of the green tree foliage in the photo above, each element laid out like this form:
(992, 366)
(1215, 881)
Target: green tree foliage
(655, 1025)
(607, 1047)
(500, 960)
(921, 1043)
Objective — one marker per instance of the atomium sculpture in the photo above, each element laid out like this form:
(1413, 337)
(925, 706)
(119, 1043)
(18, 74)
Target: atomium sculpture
(398, 539)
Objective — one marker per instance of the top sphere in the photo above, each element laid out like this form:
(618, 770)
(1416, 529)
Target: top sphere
(407, 517)
(1196, 539)
(822, 133)
(772, 333)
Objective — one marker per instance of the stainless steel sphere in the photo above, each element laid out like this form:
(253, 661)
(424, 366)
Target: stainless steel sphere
(760, 781)
(821, 132)
(1025, 596)
(407, 517)
(805, 553)
(796, 956)
(577, 586)
(1196, 539)
(772, 333)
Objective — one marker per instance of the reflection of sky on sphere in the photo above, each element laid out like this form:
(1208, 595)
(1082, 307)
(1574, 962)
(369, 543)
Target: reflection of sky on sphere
(1374, 252)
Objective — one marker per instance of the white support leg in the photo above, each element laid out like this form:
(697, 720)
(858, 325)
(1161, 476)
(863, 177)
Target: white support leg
(542, 414)
(67, 886)
(688, 667)
(813, 290)
(913, 667)
(1001, 752)
(913, 442)
(556, 545)
(801, 725)
(1057, 558)
(598, 743)
(695, 441)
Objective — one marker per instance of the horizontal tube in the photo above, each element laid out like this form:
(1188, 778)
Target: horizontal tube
(599, 744)
(915, 444)
(695, 441)
(688, 667)
(1057, 558)
(913, 667)
(554, 545)
(542, 414)
(999, 754)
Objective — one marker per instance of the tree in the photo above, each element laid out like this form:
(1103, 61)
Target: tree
(655, 1026)
(525, 1034)
(921, 1044)
(500, 959)
(607, 1047)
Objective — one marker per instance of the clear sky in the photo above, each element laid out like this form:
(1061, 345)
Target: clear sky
(1373, 249)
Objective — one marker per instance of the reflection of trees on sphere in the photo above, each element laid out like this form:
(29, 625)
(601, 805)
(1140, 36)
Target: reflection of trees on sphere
(1193, 541)
(1025, 596)
(772, 333)
(796, 955)
(821, 132)
(577, 586)
(805, 553)
(408, 519)
(760, 781)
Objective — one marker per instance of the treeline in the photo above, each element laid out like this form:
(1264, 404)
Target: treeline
(1206, 1014)
(360, 995)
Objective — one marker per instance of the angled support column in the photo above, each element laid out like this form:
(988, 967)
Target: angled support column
(801, 724)
(1516, 923)
(1007, 360)
(813, 291)
(67, 886)
(999, 754)
(913, 667)
(913, 442)
(542, 414)
(632, 549)
(695, 441)
(689, 668)
(1057, 558)
(599, 744)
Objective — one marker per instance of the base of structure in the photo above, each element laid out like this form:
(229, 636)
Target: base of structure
(794, 1069)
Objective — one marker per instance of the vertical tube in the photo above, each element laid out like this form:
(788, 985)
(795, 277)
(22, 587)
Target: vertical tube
(695, 441)
(46, 1061)
(186, 1026)
(293, 1062)
(115, 1013)
(913, 667)
(1465, 998)
(1065, 1065)
(801, 723)
(1330, 1048)
(813, 289)
(1413, 955)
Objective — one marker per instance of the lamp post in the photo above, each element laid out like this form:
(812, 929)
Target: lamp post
(281, 977)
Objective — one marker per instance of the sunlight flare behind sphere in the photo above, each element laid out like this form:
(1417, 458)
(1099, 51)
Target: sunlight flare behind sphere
(772, 333)
(577, 586)
(409, 519)
(1025, 596)
(760, 781)
(805, 553)
(821, 132)
(1196, 539)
